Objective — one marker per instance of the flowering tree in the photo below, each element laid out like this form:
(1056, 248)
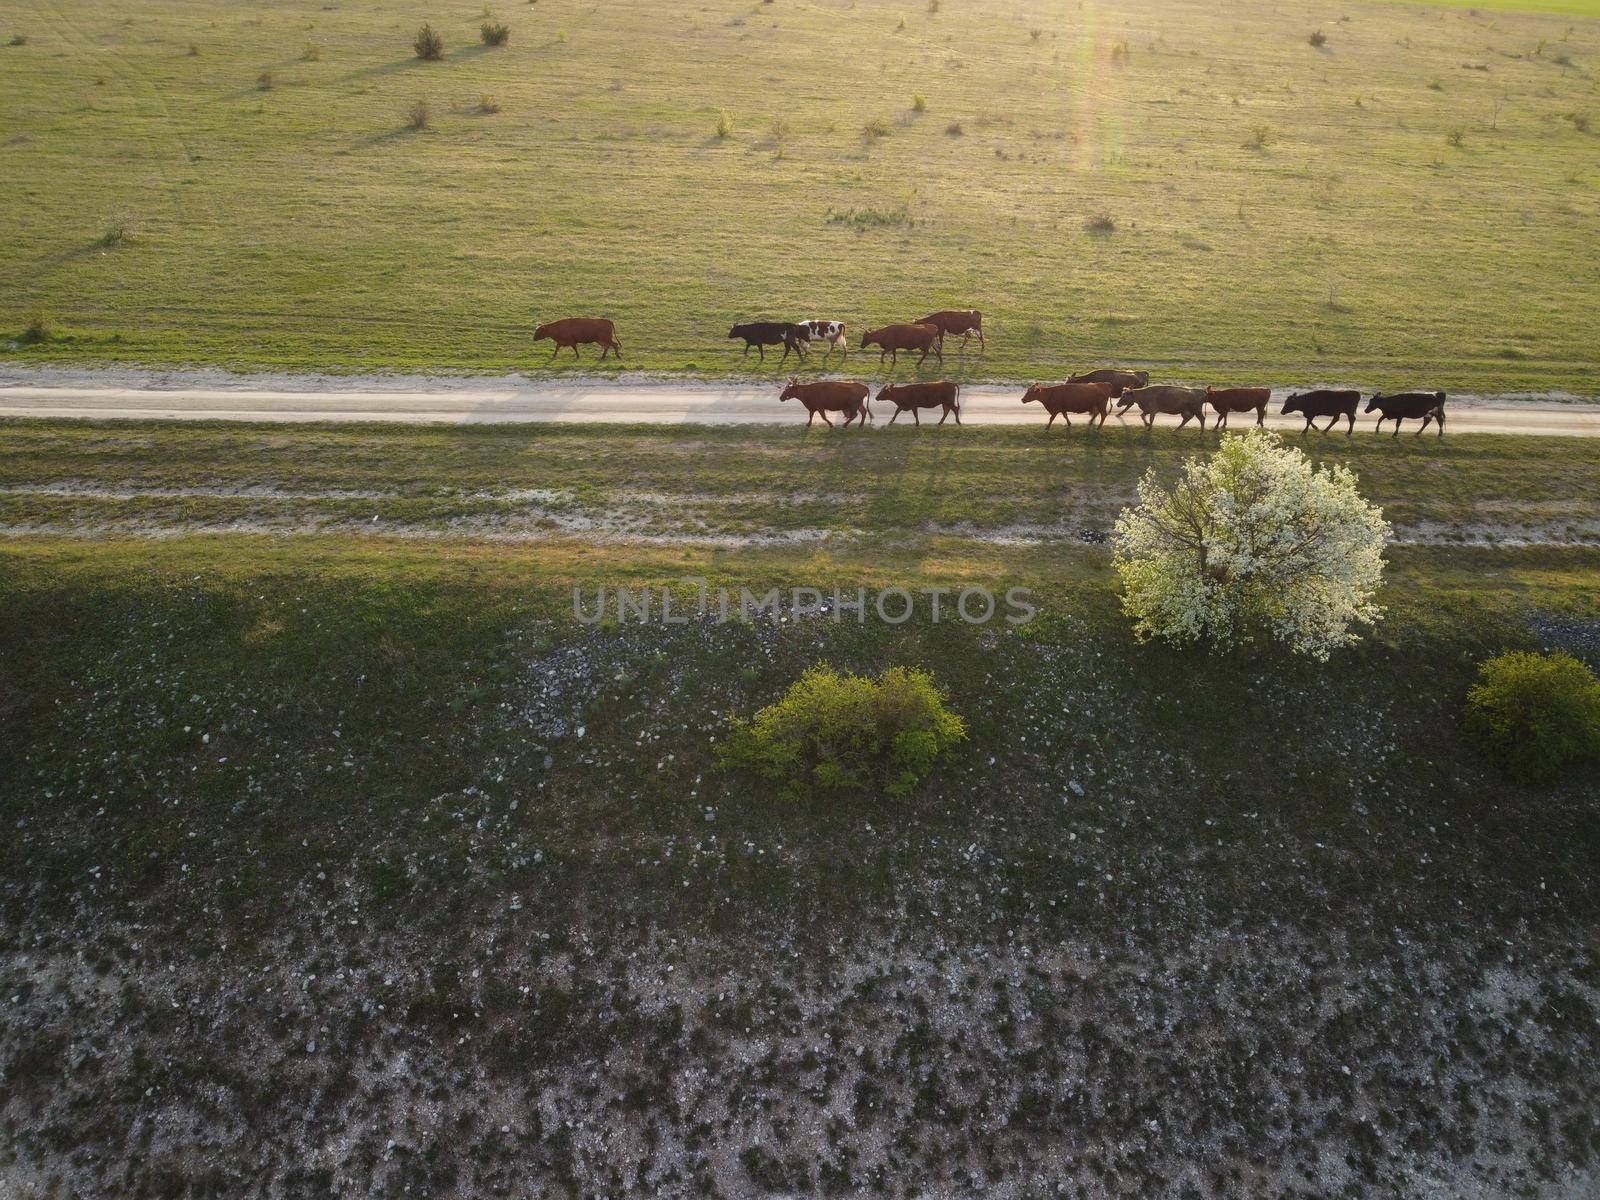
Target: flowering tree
(1252, 542)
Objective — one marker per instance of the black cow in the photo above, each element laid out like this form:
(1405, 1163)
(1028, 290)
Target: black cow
(762, 334)
(1332, 403)
(1408, 406)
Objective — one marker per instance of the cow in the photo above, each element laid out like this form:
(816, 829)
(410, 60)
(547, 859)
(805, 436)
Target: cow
(1059, 399)
(574, 331)
(892, 339)
(1408, 406)
(1120, 381)
(1332, 403)
(1239, 400)
(831, 332)
(831, 395)
(762, 334)
(966, 322)
(914, 396)
(1164, 398)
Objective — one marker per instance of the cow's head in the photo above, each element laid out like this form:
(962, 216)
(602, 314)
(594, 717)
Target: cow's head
(1294, 404)
(792, 392)
(1031, 394)
(871, 337)
(1373, 403)
(1143, 378)
(540, 332)
(887, 391)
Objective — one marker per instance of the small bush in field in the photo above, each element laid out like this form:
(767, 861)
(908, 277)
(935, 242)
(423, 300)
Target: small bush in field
(837, 733)
(1318, 39)
(119, 229)
(1455, 137)
(265, 80)
(874, 129)
(194, 50)
(1535, 713)
(488, 105)
(954, 129)
(724, 123)
(313, 53)
(1101, 223)
(419, 115)
(38, 329)
(494, 33)
(919, 102)
(19, 39)
(428, 44)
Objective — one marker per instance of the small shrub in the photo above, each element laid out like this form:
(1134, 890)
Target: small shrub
(724, 123)
(118, 230)
(1101, 223)
(919, 102)
(418, 115)
(833, 733)
(1318, 39)
(1119, 51)
(428, 44)
(900, 28)
(874, 129)
(1260, 137)
(19, 39)
(488, 105)
(1533, 714)
(194, 50)
(494, 33)
(38, 329)
(954, 129)
(1436, 85)
(264, 81)
(933, 6)
(312, 53)
(1035, 34)
(1580, 121)
(1455, 137)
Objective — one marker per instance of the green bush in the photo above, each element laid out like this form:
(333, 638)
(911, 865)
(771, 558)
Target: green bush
(836, 733)
(428, 44)
(494, 33)
(1535, 713)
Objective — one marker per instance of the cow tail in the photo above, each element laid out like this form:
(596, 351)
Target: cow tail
(958, 399)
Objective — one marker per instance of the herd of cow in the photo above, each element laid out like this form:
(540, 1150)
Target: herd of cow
(1089, 394)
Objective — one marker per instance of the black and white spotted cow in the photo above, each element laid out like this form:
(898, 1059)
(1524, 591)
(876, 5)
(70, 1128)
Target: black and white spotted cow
(831, 332)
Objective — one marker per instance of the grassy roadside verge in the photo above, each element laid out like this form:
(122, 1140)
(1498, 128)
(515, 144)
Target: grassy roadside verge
(676, 483)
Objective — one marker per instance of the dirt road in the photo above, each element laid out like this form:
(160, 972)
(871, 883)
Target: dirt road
(494, 401)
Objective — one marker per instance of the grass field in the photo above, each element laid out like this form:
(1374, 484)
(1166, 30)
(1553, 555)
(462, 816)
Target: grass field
(724, 486)
(1416, 201)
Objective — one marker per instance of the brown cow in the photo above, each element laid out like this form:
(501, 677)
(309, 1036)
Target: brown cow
(1120, 381)
(913, 396)
(1164, 398)
(951, 321)
(831, 395)
(1408, 406)
(1239, 400)
(1059, 399)
(1332, 403)
(573, 331)
(892, 339)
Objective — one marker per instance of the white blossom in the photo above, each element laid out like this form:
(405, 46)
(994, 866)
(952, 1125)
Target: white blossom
(1252, 542)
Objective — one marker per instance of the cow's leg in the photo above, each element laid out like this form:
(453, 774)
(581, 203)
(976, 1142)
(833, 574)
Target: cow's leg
(896, 414)
(823, 413)
(982, 345)
(1440, 421)
(1222, 419)
(957, 411)
(1261, 415)
(1397, 423)
(1067, 417)
(1051, 421)
(916, 415)
(555, 352)
(1349, 416)
(811, 415)
(1185, 420)
(945, 416)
